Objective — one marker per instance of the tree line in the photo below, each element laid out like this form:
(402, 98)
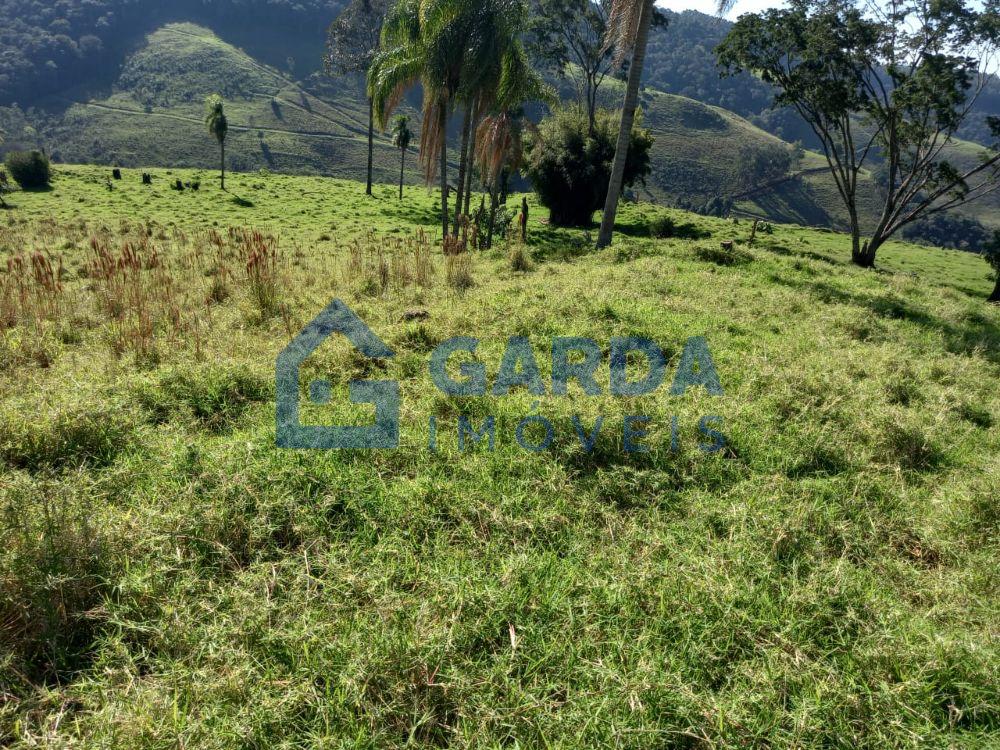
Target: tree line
(881, 86)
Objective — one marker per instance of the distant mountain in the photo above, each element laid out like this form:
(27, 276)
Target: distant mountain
(153, 114)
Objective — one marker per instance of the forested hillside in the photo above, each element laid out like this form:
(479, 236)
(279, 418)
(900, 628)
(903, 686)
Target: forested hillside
(46, 47)
(681, 60)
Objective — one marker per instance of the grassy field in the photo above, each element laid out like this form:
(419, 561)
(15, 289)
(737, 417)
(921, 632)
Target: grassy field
(172, 579)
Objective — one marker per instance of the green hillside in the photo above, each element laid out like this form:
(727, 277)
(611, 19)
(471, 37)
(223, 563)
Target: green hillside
(170, 578)
(154, 115)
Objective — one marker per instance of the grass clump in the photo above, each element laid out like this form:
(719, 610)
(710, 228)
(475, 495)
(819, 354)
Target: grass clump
(520, 262)
(66, 438)
(725, 254)
(56, 569)
(214, 397)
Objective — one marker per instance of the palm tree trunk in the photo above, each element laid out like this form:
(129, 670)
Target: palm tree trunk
(402, 164)
(494, 189)
(443, 124)
(470, 165)
(462, 163)
(625, 130)
(222, 162)
(371, 143)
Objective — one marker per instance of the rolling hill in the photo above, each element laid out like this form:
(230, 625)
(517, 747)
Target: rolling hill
(151, 115)
(173, 579)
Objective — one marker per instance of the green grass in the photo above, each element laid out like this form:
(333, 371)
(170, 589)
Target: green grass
(170, 578)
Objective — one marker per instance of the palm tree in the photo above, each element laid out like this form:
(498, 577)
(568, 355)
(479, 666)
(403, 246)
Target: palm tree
(421, 42)
(218, 125)
(497, 78)
(498, 143)
(454, 48)
(628, 28)
(401, 137)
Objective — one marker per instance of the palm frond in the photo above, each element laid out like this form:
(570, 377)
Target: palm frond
(623, 26)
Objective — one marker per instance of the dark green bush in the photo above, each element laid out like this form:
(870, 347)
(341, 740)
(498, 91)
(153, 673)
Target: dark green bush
(570, 168)
(662, 227)
(30, 169)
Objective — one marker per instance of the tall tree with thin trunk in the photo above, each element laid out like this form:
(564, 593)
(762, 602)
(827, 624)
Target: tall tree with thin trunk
(498, 145)
(991, 254)
(628, 29)
(568, 37)
(401, 137)
(351, 43)
(423, 41)
(463, 165)
(885, 80)
(218, 126)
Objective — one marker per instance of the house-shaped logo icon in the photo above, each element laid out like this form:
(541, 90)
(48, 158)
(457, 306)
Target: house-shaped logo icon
(384, 394)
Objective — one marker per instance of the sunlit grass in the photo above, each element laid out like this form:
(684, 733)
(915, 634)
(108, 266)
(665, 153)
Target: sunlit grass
(170, 578)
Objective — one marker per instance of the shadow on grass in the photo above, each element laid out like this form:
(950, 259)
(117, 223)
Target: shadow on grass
(977, 334)
(643, 229)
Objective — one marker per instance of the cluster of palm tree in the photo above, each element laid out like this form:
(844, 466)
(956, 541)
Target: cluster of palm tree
(465, 54)
(468, 54)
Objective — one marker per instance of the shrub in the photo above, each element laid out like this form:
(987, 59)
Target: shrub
(30, 169)
(570, 167)
(662, 227)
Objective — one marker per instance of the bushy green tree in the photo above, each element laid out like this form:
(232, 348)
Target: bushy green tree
(894, 79)
(29, 169)
(570, 166)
